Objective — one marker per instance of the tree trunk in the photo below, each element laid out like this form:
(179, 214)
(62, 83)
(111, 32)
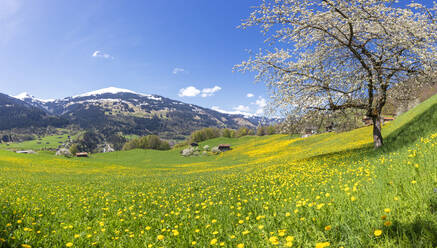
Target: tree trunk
(377, 136)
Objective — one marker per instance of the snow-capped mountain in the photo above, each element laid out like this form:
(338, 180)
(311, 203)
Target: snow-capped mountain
(126, 111)
(15, 113)
(109, 90)
(26, 96)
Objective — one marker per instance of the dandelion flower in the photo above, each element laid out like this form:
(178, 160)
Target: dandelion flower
(240, 246)
(322, 245)
(213, 241)
(274, 240)
(160, 237)
(327, 228)
(377, 232)
(69, 244)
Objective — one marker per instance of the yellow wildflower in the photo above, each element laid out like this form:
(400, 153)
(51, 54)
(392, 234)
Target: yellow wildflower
(322, 245)
(377, 232)
(274, 240)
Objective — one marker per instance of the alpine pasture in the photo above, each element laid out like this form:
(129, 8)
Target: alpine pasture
(327, 190)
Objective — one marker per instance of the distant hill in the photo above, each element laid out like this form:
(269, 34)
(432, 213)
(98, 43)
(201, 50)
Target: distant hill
(15, 113)
(120, 110)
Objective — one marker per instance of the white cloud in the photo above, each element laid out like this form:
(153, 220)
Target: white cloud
(242, 108)
(236, 112)
(250, 95)
(190, 91)
(261, 103)
(259, 111)
(210, 91)
(99, 54)
(178, 70)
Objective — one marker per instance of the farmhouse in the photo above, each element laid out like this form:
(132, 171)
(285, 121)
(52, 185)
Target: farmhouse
(368, 121)
(224, 147)
(26, 152)
(82, 154)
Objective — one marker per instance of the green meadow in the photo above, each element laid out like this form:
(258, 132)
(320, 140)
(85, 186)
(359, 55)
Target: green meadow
(327, 190)
(48, 142)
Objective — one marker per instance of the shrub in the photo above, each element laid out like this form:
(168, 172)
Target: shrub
(188, 151)
(269, 130)
(64, 152)
(215, 150)
(242, 131)
(228, 133)
(74, 149)
(89, 141)
(205, 134)
(261, 131)
(147, 142)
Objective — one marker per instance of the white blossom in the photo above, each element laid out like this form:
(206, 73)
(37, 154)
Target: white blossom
(338, 54)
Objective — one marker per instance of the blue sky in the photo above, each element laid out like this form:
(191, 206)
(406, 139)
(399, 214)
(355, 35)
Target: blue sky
(157, 47)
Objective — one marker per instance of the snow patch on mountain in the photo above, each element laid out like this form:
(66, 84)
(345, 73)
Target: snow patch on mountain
(109, 90)
(23, 96)
(245, 114)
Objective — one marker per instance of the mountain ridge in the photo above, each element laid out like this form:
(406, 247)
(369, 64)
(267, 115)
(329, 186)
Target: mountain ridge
(120, 110)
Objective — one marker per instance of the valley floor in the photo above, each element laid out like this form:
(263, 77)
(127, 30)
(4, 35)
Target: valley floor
(328, 190)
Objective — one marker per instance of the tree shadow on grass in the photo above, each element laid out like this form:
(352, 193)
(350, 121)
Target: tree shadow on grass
(412, 131)
(5, 245)
(419, 233)
(407, 134)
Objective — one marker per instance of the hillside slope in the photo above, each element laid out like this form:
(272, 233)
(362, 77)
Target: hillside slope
(274, 191)
(15, 113)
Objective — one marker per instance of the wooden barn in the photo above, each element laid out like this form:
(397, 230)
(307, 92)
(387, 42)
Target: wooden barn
(224, 147)
(82, 154)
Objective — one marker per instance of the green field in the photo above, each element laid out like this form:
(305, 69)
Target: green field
(48, 142)
(272, 191)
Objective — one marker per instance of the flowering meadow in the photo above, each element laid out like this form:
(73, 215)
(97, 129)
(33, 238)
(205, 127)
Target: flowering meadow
(328, 190)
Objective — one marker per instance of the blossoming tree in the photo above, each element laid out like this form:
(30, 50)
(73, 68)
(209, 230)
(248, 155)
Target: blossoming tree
(330, 55)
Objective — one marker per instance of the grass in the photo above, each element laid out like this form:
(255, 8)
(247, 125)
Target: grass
(48, 142)
(272, 191)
